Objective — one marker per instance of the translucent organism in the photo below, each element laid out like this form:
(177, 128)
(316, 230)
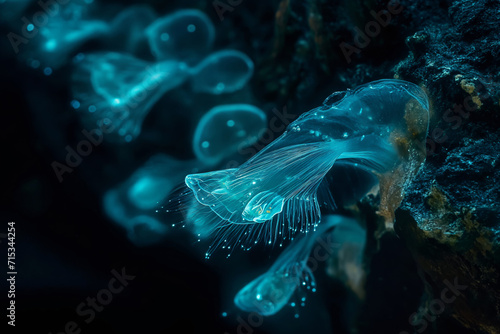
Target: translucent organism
(126, 32)
(117, 91)
(66, 30)
(278, 191)
(226, 128)
(345, 263)
(271, 291)
(186, 35)
(224, 71)
(132, 204)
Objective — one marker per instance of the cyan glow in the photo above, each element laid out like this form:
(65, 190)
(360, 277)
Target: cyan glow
(356, 129)
(222, 72)
(127, 30)
(186, 35)
(271, 291)
(225, 129)
(133, 204)
(121, 90)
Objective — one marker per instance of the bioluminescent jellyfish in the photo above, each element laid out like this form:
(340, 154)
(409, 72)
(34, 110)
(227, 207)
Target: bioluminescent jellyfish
(347, 242)
(271, 291)
(133, 203)
(225, 129)
(186, 35)
(126, 32)
(117, 91)
(374, 128)
(224, 71)
(67, 30)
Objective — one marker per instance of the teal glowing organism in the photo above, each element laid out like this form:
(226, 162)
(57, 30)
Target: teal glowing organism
(186, 35)
(271, 291)
(68, 29)
(346, 248)
(132, 203)
(118, 90)
(126, 32)
(225, 129)
(275, 193)
(222, 72)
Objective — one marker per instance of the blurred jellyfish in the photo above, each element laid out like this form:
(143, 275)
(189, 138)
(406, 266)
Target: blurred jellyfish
(374, 128)
(268, 293)
(222, 72)
(346, 260)
(67, 30)
(225, 129)
(132, 204)
(186, 35)
(126, 32)
(118, 90)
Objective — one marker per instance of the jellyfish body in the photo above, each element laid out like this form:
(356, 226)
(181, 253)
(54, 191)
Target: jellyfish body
(224, 71)
(132, 203)
(186, 35)
(348, 241)
(118, 90)
(271, 291)
(126, 32)
(275, 193)
(225, 129)
(68, 29)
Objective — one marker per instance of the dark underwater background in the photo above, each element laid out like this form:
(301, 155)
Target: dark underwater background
(68, 249)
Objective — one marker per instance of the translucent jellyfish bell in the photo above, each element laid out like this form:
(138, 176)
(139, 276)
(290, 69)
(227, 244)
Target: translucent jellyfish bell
(67, 30)
(375, 128)
(126, 32)
(271, 291)
(133, 203)
(225, 129)
(186, 35)
(348, 241)
(222, 72)
(117, 91)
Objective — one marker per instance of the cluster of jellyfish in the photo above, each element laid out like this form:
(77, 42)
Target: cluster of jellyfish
(329, 158)
(137, 57)
(288, 193)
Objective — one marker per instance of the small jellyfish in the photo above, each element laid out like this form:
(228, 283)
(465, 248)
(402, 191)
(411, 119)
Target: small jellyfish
(268, 293)
(186, 35)
(224, 71)
(117, 91)
(126, 32)
(63, 34)
(373, 129)
(346, 256)
(132, 204)
(225, 129)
